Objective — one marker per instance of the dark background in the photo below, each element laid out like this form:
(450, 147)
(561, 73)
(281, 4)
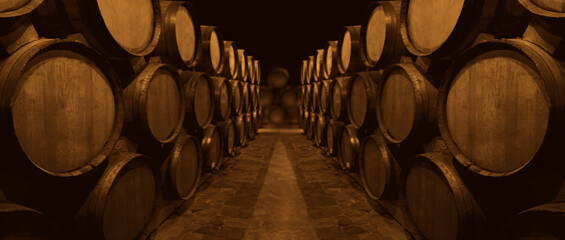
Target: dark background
(281, 33)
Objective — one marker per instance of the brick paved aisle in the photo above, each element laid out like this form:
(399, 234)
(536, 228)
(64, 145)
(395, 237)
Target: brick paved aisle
(280, 187)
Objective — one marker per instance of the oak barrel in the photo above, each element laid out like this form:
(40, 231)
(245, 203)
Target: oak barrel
(121, 204)
(14, 8)
(349, 147)
(199, 99)
(500, 108)
(339, 90)
(330, 64)
(154, 108)
(246, 97)
(267, 96)
(237, 98)
(376, 167)
(227, 132)
(311, 134)
(303, 69)
(62, 108)
(307, 98)
(231, 63)
(211, 55)
(276, 115)
(256, 120)
(21, 222)
(406, 105)
(321, 124)
(118, 29)
(254, 101)
(305, 118)
(212, 147)
(362, 99)
(278, 78)
(333, 136)
(180, 34)
(325, 97)
(240, 130)
(289, 98)
(257, 69)
(250, 70)
(350, 52)
(184, 166)
(222, 98)
(439, 203)
(446, 33)
(546, 8)
(381, 36)
(315, 98)
(249, 126)
(319, 65)
(310, 69)
(242, 73)
(545, 221)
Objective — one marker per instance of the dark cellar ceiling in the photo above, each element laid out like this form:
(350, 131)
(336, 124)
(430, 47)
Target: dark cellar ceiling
(281, 33)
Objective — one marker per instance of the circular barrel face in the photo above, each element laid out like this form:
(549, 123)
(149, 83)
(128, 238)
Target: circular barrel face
(130, 22)
(64, 111)
(345, 50)
(203, 102)
(186, 171)
(129, 202)
(215, 50)
(185, 35)
(329, 58)
(429, 28)
(397, 105)
(496, 112)
(164, 104)
(242, 64)
(375, 168)
(225, 99)
(358, 101)
(431, 202)
(376, 34)
(232, 59)
(319, 64)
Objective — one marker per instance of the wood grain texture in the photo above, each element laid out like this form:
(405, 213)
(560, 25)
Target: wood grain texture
(496, 128)
(199, 99)
(406, 105)
(63, 107)
(376, 167)
(121, 204)
(184, 166)
(381, 34)
(546, 8)
(14, 8)
(362, 99)
(331, 61)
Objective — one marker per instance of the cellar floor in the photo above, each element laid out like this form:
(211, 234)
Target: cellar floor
(280, 187)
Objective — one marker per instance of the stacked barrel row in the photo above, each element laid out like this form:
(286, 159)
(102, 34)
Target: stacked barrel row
(450, 112)
(279, 100)
(111, 109)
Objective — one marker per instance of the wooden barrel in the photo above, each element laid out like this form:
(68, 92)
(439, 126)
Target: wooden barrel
(184, 166)
(117, 28)
(260, 117)
(500, 108)
(325, 97)
(362, 99)
(240, 131)
(307, 98)
(199, 99)
(62, 108)
(315, 98)
(231, 63)
(212, 148)
(406, 105)
(237, 98)
(242, 73)
(382, 40)
(311, 134)
(349, 147)
(21, 222)
(154, 108)
(267, 96)
(222, 98)
(319, 65)
(211, 55)
(277, 115)
(246, 97)
(250, 70)
(257, 93)
(278, 78)
(446, 33)
(350, 51)
(121, 204)
(249, 126)
(333, 135)
(321, 124)
(303, 69)
(545, 221)
(15, 8)
(439, 203)
(257, 69)
(256, 120)
(376, 166)
(289, 98)
(546, 8)
(227, 132)
(253, 97)
(339, 89)
(305, 118)
(310, 69)
(331, 62)
(180, 34)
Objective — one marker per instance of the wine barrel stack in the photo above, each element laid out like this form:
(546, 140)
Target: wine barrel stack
(113, 114)
(449, 113)
(279, 100)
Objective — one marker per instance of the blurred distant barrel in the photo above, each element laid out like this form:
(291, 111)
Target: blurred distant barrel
(211, 50)
(80, 102)
(230, 60)
(267, 97)
(180, 34)
(199, 96)
(382, 40)
(154, 106)
(351, 55)
(278, 78)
